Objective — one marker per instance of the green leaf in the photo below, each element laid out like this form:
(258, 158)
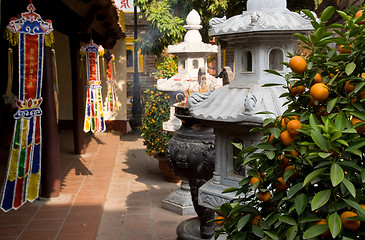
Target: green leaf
(354, 151)
(309, 14)
(319, 140)
(340, 121)
(238, 145)
(292, 232)
(266, 146)
(336, 174)
(275, 132)
(359, 86)
(294, 189)
(350, 67)
(232, 189)
(313, 121)
(327, 13)
(355, 205)
(314, 231)
(362, 174)
(270, 154)
(313, 175)
(272, 235)
(324, 155)
(301, 37)
(320, 199)
(287, 219)
(334, 224)
(273, 72)
(343, 15)
(349, 187)
(243, 221)
(258, 231)
(331, 104)
(300, 203)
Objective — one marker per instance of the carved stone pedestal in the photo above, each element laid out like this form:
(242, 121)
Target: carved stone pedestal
(191, 156)
(179, 201)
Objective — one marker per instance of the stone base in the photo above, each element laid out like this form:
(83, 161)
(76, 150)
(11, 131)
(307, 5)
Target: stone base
(211, 196)
(179, 201)
(190, 230)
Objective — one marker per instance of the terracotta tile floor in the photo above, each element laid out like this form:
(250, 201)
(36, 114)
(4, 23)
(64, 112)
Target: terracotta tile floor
(114, 191)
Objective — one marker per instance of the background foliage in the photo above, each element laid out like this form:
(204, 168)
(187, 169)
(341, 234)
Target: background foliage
(157, 111)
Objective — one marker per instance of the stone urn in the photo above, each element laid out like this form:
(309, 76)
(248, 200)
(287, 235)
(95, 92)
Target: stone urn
(191, 156)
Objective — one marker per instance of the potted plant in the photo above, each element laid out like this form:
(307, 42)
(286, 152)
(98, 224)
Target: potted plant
(306, 178)
(157, 111)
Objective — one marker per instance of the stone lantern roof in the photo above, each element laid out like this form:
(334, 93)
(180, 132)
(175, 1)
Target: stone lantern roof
(257, 35)
(264, 16)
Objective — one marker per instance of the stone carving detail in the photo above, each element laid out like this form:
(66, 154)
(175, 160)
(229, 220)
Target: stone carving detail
(250, 102)
(211, 200)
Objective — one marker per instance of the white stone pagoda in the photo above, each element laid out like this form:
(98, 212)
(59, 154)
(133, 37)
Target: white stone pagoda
(193, 55)
(261, 37)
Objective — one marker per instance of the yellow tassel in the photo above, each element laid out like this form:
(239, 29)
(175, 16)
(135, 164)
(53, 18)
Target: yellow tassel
(103, 65)
(10, 72)
(11, 37)
(49, 39)
(114, 72)
(55, 76)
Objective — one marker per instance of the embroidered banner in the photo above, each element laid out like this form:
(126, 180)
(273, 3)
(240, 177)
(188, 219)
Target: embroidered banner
(111, 98)
(30, 32)
(94, 117)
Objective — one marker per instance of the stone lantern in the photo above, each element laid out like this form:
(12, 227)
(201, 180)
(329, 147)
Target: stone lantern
(193, 56)
(261, 37)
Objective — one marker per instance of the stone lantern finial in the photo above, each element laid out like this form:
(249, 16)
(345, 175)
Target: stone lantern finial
(253, 5)
(192, 26)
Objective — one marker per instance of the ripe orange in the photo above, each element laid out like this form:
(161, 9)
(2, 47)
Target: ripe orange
(297, 90)
(294, 153)
(349, 87)
(254, 180)
(281, 185)
(326, 233)
(360, 130)
(289, 118)
(281, 122)
(295, 171)
(220, 222)
(293, 127)
(319, 91)
(347, 223)
(284, 161)
(270, 138)
(264, 196)
(359, 14)
(318, 78)
(298, 64)
(286, 138)
(344, 50)
(362, 94)
(255, 220)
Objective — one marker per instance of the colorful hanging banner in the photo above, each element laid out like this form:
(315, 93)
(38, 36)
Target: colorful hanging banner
(111, 98)
(30, 32)
(94, 117)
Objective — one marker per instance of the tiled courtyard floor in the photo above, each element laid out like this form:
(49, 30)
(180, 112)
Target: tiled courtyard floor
(114, 191)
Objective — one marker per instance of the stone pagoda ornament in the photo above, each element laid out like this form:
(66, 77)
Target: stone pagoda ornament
(193, 56)
(261, 37)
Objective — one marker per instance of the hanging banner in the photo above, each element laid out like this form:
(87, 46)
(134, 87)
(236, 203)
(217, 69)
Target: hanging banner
(30, 33)
(126, 6)
(111, 98)
(94, 117)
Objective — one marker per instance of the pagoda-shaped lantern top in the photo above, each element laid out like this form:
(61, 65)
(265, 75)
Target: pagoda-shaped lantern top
(261, 37)
(193, 55)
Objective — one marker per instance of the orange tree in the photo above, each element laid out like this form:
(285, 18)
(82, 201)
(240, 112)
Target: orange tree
(313, 167)
(166, 68)
(157, 111)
